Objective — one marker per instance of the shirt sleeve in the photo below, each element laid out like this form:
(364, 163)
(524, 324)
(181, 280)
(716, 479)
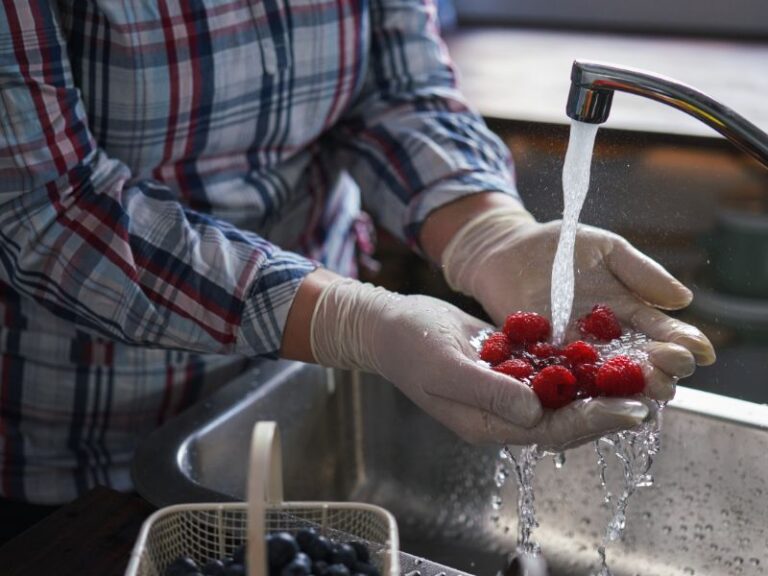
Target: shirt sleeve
(411, 140)
(114, 255)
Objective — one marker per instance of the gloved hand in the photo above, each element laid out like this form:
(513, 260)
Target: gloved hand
(504, 260)
(422, 345)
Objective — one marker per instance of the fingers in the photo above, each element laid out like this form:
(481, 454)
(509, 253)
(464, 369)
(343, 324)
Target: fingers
(659, 326)
(667, 363)
(646, 278)
(582, 421)
(673, 359)
(575, 424)
(658, 384)
(474, 385)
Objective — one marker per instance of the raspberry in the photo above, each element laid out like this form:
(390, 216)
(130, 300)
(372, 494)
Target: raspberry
(580, 352)
(620, 376)
(555, 386)
(585, 376)
(543, 350)
(515, 367)
(496, 348)
(600, 323)
(522, 327)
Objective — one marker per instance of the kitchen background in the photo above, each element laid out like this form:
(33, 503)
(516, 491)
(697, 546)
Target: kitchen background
(668, 183)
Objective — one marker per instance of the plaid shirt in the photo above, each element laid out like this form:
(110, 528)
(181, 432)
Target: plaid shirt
(170, 170)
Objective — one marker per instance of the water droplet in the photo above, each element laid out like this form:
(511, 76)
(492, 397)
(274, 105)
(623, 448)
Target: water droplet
(559, 459)
(688, 570)
(754, 561)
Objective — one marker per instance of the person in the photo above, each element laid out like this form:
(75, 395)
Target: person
(181, 191)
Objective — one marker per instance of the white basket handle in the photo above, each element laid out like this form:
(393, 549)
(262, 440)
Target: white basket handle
(265, 487)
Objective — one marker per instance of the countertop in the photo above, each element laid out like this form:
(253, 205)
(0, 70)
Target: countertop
(92, 536)
(519, 74)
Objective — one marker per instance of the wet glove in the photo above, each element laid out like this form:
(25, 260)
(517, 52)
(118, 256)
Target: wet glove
(503, 259)
(422, 345)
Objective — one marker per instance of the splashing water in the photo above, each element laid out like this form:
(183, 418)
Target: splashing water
(575, 185)
(524, 466)
(633, 449)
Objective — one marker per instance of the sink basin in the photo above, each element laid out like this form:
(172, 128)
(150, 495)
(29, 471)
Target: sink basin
(350, 436)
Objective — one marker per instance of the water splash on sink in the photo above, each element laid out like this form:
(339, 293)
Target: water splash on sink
(634, 451)
(524, 466)
(525, 469)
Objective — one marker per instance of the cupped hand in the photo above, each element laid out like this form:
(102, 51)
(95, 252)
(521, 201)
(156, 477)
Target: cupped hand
(423, 346)
(504, 260)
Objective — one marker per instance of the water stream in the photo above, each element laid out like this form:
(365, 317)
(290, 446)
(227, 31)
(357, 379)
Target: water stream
(633, 449)
(578, 160)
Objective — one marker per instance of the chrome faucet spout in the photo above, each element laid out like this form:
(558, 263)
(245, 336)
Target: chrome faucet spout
(593, 85)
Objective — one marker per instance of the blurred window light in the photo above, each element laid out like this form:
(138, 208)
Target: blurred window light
(702, 17)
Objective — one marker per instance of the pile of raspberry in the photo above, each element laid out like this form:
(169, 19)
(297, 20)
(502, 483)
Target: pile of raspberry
(561, 375)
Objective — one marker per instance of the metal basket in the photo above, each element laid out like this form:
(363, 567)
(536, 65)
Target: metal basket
(206, 531)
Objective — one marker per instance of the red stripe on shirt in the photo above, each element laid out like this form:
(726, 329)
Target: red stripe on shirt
(34, 89)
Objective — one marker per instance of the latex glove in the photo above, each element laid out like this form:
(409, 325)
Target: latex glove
(504, 260)
(422, 345)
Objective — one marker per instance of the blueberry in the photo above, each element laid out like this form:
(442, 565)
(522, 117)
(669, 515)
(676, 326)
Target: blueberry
(361, 550)
(296, 568)
(213, 568)
(305, 537)
(182, 566)
(281, 549)
(319, 568)
(343, 554)
(234, 570)
(366, 569)
(321, 549)
(304, 559)
(338, 570)
(316, 546)
(238, 556)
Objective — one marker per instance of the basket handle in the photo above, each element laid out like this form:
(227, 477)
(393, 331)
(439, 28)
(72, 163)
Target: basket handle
(265, 487)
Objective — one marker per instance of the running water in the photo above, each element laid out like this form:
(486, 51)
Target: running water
(576, 169)
(524, 466)
(633, 449)
(578, 159)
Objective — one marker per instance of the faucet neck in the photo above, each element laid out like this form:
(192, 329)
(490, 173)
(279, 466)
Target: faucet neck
(593, 85)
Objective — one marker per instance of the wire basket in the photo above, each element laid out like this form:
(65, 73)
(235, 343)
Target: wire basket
(206, 531)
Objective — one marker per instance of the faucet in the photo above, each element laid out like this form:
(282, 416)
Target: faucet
(593, 85)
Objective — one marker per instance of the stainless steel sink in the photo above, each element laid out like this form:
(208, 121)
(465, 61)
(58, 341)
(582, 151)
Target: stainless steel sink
(354, 437)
